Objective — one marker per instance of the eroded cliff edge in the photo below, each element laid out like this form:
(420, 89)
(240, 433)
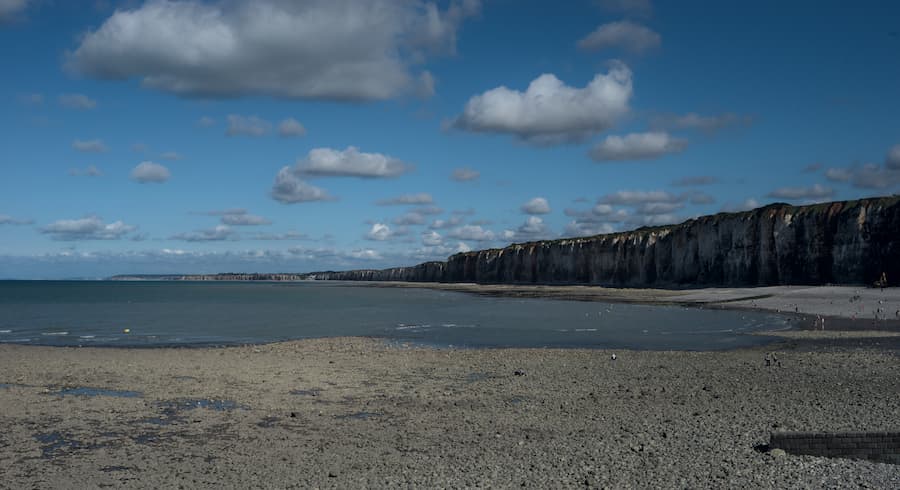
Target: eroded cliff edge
(844, 242)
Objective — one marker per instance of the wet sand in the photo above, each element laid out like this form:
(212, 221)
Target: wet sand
(865, 308)
(355, 412)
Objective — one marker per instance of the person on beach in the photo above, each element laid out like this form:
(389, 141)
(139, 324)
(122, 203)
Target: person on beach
(768, 360)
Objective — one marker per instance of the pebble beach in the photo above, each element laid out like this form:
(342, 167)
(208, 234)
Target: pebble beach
(357, 413)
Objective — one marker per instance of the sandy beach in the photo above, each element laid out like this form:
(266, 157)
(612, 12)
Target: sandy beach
(867, 308)
(355, 412)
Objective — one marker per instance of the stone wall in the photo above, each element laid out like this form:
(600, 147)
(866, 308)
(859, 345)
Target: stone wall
(876, 446)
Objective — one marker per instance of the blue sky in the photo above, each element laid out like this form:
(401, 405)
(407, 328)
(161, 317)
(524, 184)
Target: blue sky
(209, 136)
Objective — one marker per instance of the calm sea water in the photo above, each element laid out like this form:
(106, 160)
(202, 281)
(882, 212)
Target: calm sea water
(205, 313)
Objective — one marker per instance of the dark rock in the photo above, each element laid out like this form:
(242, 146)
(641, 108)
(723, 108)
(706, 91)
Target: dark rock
(844, 242)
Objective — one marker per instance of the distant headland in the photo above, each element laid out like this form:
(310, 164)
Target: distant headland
(842, 242)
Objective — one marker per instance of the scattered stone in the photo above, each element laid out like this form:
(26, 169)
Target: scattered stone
(778, 453)
(519, 372)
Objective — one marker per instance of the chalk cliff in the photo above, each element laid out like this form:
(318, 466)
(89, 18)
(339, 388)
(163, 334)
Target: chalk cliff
(845, 242)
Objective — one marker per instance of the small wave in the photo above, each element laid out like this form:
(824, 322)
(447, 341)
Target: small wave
(562, 329)
(412, 327)
(585, 329)
(55, 333)
(86, 336)
(5, 331)
(17, 340)
(448, 325)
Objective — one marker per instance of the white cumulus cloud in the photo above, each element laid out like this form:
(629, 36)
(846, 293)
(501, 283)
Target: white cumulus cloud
(474, 233)
(149, 172)
(315, 49)
(621, 34)
(432, 238)
(289, 188)
(636, 146)
(379, 232)
(549, 111)
(537, 205)
(350, 162)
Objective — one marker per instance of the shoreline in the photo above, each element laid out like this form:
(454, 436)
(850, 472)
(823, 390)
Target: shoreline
(842, 307)
(356, 412)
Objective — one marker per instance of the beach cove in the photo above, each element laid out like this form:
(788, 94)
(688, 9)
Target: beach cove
(357, 412)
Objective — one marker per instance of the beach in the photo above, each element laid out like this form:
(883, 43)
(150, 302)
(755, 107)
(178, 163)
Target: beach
(358, 412)
(865, 307)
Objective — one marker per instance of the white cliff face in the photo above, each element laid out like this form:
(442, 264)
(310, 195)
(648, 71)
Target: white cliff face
(849, 242)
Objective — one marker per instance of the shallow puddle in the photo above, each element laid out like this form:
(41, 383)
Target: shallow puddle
(55, 442)
(86, 391)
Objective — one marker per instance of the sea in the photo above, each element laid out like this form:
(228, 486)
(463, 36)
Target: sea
(194, 314)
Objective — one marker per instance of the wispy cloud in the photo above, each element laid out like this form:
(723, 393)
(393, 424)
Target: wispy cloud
(291, 127)
(420, 198)
(88, 228)
(90, 171)
(77, 101)
(6, 219)
(692, 120)
(697, 180)
(465, 174)
(217, 234)
(247, 126)
(816, 191)
(622, 34)
(89, 146)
